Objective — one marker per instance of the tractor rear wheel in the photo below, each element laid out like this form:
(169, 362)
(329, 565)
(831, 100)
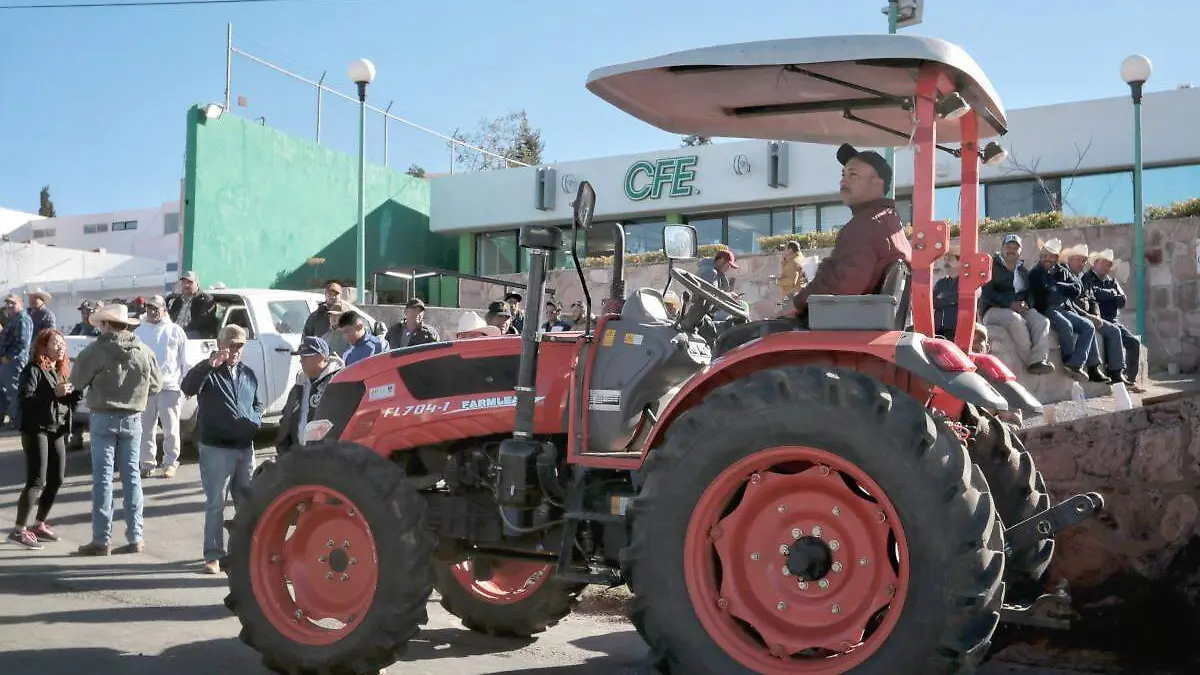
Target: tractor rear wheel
(807, 520)
(1019, 492)
(331, 563)
(516, 599)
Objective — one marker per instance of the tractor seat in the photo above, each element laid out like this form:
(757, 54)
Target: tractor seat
(889, 308)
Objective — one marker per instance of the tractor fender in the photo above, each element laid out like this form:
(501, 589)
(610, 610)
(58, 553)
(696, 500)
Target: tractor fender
(967, 386)
(899, 348)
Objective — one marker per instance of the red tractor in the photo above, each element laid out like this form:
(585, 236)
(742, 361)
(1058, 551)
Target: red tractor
(823, 499)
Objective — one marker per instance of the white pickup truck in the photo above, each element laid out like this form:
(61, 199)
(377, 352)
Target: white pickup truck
(274, 321)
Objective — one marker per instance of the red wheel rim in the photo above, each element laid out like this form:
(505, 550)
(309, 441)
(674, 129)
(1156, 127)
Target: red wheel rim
(756, 608)
(510, 581)
(315, 582)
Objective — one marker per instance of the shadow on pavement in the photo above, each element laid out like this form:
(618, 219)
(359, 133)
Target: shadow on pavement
(614, 657)
(35, 579)
(213, 657)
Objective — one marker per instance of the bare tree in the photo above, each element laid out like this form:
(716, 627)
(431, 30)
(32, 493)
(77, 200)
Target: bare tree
(510, 138)
(1056, 191)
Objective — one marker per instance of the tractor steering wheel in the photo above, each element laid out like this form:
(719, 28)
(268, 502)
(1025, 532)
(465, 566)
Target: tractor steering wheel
(711, 294)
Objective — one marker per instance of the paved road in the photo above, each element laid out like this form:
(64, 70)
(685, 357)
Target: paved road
(154, 614)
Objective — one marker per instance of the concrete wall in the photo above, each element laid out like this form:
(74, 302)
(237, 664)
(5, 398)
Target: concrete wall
(259, 204)
(1172, 274)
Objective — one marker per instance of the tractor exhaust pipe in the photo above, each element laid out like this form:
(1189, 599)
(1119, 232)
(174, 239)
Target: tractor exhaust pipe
(616, 294)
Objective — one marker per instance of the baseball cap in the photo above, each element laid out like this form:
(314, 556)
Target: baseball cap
(414, 303)
(189, 276)
(513, 296)
(88, 305)
(498, 309)
(312, 346)
(233, 333)
(1011, 238)
(876, 161)
(728, 255)
(155, 301)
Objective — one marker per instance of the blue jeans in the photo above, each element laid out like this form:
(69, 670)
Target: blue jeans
(10, 407)
(1133, 351)
(1076, 338)
(1114, 349)
(221, 470)
(116, 438)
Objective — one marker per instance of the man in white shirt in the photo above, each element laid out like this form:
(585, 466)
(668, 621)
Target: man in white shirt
(168, 341)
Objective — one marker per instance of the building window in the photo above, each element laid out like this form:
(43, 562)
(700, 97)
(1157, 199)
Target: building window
(172, 267)
(1109, 195)
(805, 219)
(1022, 197)
(170, 223)
(708, 230)
(96, 228)
(123, 225)
(831, 217)
(644, 237)
(43, 233)
(496, 252)
(746, 228)
(1165, 185)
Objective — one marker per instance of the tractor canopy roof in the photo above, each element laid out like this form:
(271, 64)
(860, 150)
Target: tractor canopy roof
(813, 90)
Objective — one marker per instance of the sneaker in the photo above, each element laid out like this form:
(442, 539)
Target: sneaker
(25, 538)
(93, 549)
(44, 533)
(148, 473)
(169, 472)
(1075, 373)
(1094, 374)
(135, 547)
(212, 567)
(1041, 368)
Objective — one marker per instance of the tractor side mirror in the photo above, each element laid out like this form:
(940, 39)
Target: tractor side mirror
(679, 242)
(585, 204)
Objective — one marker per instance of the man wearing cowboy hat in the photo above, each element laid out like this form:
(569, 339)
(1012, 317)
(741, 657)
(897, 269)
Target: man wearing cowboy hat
(412, 330)
(84, 327)
(119, 373)
(1052, 289)
(1004, 304)
(14, 354)
(228, 416)
(1108, 336)
(42, 317)
(169, 344)
(1110, 298)
(471, 325)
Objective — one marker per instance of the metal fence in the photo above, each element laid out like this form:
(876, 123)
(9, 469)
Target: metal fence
(319, 84)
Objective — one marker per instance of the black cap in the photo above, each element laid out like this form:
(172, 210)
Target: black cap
(513, 296)
(498, 309)
(847, 152)
(415, 303)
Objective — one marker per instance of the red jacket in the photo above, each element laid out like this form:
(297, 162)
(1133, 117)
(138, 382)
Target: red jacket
(873, 239)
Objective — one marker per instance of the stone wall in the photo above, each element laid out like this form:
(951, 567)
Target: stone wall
(1134, 571)
(443, 319)
(1173, 322)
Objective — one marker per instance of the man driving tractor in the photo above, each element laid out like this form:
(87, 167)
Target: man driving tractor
(873, 239)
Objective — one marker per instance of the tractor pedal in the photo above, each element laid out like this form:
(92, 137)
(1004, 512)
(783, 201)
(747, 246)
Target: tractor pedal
(1057, 518)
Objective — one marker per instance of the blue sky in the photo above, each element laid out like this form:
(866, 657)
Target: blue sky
(93, 101)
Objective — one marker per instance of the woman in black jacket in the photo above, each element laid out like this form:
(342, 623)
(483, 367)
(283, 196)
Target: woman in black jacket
(47, 402)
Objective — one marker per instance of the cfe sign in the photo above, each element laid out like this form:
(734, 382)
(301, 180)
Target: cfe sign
(646, 179)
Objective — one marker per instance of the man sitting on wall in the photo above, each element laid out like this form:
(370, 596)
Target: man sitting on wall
(873, 239)
(1108, 336)
(1004, 304)
(1052, 289)
(1110, 298)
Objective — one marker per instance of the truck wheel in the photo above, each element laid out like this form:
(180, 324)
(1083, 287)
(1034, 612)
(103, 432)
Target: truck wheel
(330, 562)
(1019, 492)
(519, 599)
(807, 520)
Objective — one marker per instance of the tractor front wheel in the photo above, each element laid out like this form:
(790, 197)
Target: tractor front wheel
(511, 598)
(812, 521)
(330, 562)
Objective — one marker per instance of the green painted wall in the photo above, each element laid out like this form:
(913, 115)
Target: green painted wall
(260, 203)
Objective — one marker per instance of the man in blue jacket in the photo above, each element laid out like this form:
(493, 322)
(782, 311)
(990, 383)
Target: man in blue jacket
(228, 414)
(1110, 298)
(1052, 288)
(363, 343)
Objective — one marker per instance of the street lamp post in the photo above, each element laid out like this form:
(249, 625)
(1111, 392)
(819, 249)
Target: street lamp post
(1135, 70)
(361, 73)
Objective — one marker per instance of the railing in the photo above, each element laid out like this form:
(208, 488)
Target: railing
(410, 274)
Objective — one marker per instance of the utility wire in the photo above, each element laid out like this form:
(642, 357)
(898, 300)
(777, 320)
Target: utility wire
(142, 3)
